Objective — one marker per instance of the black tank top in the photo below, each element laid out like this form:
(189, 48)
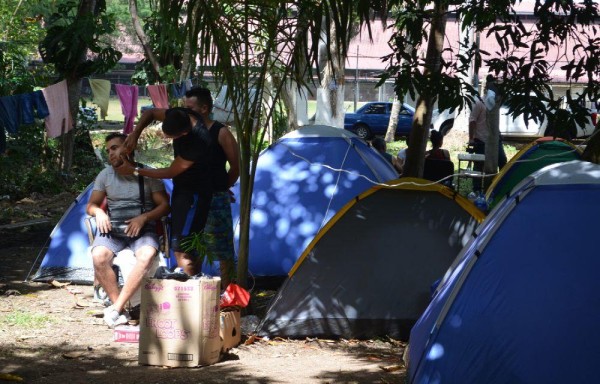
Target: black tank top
(220, 180)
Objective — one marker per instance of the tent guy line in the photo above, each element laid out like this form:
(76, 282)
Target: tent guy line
(487, 175)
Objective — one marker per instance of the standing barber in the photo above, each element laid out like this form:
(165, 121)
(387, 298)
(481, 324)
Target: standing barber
(190, 171)
(224, 151)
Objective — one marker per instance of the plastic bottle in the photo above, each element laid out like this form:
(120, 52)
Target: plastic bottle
(472, 197)
(481, 203)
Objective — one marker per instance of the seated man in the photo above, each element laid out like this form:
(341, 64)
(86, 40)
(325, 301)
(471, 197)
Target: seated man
(437, 152)
(379, 144)
(135, 215)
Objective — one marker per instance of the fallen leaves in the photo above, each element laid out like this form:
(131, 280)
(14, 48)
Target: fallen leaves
(10, 377)
(58, 284)
(392, 368)
(73, 355)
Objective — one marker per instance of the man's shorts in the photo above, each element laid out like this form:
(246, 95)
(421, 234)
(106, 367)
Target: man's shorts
(219, 227)
(189, 211)
(118, 243)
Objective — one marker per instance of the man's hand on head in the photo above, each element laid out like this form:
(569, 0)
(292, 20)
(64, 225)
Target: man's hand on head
(130, 143)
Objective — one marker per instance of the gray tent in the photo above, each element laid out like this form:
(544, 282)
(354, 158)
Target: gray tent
(369, 271)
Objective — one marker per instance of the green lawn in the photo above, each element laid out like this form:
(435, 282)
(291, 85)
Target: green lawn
(114, 112)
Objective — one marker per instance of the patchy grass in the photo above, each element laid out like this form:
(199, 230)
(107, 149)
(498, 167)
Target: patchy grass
(24, 319)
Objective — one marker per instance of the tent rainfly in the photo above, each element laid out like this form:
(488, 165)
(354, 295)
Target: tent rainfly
(522, 302)
(301, 181)
(370, 270)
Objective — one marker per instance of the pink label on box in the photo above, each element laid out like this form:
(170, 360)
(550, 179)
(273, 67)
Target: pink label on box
(167, 328)
(127, 335)
(209, 286)
(152, 286)
(183, 296)
(185, 288)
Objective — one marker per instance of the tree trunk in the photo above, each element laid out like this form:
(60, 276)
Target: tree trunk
(301, 103)
(592, 149)
(390, 134)
(461, 121)
(415, 157)
(191, 44)
(267, 101)
(330, 94)
(74, 94)
(143, 38)
(289, 97)
(493, 140)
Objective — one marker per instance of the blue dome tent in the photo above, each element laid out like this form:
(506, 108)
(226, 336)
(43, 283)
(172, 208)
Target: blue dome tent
(301, 181)
(522, 301)
(66, 257)
(380, 283)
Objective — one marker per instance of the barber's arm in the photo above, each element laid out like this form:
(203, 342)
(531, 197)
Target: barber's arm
(232, 153)
(146, 119)
(177, 166)
(93, 208)
(162, 208)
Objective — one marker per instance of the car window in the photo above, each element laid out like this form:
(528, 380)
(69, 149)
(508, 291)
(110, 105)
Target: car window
(375, 109)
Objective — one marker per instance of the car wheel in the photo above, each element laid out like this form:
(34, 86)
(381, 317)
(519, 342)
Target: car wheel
(446, 127)
(362, 131)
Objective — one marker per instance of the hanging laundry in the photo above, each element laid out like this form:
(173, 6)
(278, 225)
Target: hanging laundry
(188, 84)
(178, 90)
(158, 95)
(33, 105)
(128, 95)
(101, 94)
(9, 118)
(2, 140)
(57, 99)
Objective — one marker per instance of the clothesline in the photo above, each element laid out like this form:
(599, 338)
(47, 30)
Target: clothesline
(128, 97)
(52, 105)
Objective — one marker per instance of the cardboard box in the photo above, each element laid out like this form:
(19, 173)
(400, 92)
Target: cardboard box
(179, 322)
(231, 331)
(127, 334)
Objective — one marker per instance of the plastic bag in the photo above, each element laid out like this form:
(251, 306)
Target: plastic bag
(235, 296)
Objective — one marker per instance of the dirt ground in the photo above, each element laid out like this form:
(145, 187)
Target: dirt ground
(55, 334)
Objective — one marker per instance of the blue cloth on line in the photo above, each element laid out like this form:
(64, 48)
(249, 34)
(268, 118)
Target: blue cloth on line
(2, 140)
(33, 105)
(178, 90)
(10, 118)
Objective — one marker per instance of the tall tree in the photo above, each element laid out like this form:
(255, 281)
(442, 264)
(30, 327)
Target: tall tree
(73, 45)
(243, 43)
(21, 30)
(523, 62)
(143, 38)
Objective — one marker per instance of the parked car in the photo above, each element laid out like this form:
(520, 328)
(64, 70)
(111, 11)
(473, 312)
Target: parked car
(512, 127)
(372, 119)
(515, 127)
